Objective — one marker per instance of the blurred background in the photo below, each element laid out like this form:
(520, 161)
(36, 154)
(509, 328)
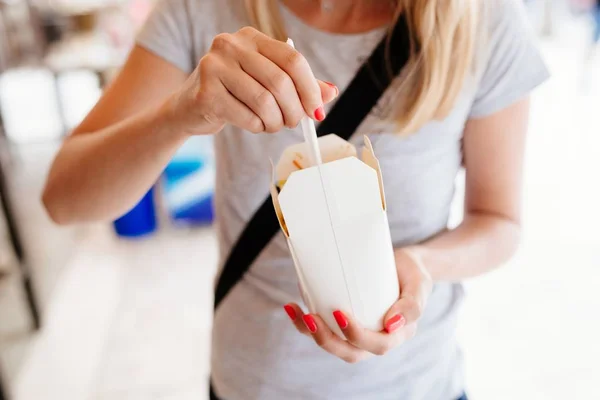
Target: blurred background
(123, 310)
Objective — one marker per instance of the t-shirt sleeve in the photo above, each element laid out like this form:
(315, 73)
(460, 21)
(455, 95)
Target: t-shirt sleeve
(512, 64)
(168, 34)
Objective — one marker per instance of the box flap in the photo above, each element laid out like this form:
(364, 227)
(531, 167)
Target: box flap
(276, 205)
(295, 158)
(351, 188)
(368, 157)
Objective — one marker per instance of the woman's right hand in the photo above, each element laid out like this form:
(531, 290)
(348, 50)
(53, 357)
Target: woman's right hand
(252, 81)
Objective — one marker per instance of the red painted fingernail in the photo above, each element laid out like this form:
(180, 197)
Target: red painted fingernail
(290, 312)
(341, 320)
(320, 114)
(310, 323)
(394, 323)
(337, 91)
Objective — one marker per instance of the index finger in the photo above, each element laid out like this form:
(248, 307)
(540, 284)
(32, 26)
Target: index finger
(296, 66)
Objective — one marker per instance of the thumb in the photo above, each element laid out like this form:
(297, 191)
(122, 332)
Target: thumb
(415, 287)
(328, 91)
(405, 311)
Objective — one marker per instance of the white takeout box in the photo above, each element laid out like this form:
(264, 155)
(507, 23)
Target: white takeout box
(334, 218)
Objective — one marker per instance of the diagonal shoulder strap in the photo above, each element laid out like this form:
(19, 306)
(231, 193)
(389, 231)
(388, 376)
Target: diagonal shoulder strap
(351, 108)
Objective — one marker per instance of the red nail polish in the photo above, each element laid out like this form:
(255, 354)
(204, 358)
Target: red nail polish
(310, 323)
(394, 323)
(320, 114)
(341, 320)
(290, 312)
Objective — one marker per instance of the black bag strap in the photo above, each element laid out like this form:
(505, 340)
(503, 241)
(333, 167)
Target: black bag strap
(351, 108)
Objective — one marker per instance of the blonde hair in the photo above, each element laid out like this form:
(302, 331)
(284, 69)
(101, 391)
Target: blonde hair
(443, 34)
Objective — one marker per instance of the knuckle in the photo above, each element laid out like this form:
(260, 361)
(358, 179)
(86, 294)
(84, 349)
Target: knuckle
(264, 99)
(248, 31)
(222, 42)
(205, 62)
(255, 124)
(294, 60)
(273, 128)
(280, 82)
(208, 64)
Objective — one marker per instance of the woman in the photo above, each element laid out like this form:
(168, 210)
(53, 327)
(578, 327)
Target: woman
(462, 100)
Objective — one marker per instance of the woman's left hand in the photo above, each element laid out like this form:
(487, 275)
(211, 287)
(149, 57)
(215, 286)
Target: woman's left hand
(400, 322)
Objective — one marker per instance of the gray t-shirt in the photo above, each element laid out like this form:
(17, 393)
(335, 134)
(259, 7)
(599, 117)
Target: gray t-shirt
(256, 352)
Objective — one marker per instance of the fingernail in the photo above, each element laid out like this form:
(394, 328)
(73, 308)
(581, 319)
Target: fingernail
(341, 320)
(394, 323)
(337, 91)
(290, 312)
(320, 114)
(310, 323)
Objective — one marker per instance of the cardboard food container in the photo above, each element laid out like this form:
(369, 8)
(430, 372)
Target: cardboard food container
(334, 218)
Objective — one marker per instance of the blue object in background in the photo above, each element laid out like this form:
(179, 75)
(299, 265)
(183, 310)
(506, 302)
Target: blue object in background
(189, 181)
(140, 220)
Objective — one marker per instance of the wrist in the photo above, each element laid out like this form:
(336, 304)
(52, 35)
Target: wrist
(185, 119)
(170, 116)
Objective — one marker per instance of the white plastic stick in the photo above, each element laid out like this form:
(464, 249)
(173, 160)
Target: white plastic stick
(310, 134)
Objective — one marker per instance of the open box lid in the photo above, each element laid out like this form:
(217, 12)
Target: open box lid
(331, 152)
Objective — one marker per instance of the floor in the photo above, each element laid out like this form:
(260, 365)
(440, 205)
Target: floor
(130, 320)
